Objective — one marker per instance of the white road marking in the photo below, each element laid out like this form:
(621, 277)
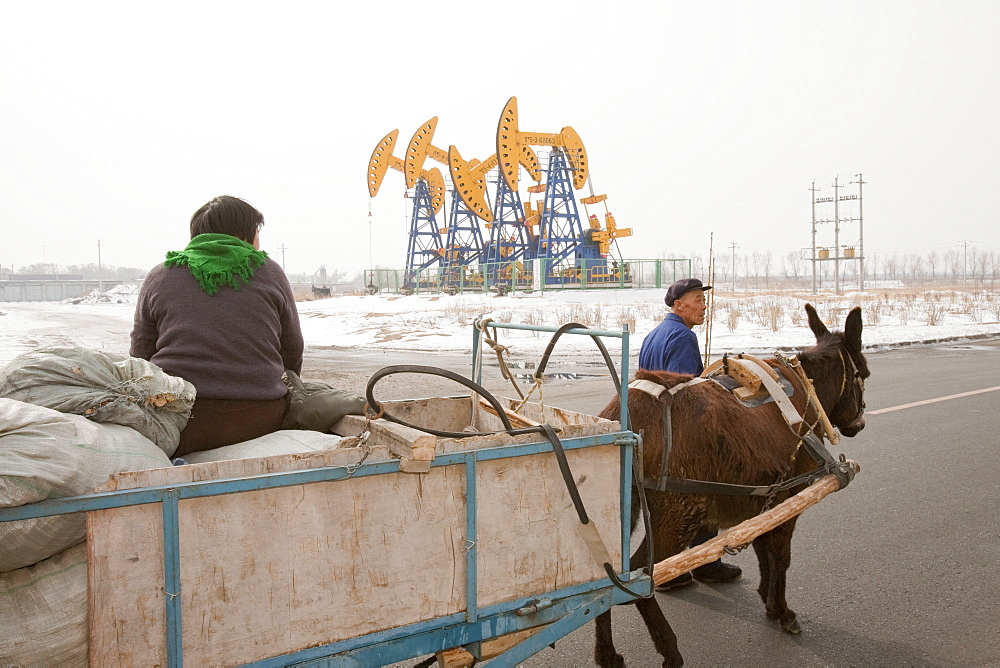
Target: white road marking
(932, 401)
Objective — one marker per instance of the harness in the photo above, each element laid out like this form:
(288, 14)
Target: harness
(764, 377)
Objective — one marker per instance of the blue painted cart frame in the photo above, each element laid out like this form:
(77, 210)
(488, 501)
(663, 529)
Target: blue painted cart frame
(563, 610)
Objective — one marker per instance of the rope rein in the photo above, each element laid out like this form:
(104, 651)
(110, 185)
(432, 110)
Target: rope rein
(588, 530)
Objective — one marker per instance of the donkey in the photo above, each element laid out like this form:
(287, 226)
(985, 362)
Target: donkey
(718, 438)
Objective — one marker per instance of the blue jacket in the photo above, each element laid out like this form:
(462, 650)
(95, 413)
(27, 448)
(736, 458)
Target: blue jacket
(672, 346)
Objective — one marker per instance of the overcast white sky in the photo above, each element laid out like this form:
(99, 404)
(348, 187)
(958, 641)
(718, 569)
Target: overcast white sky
(121, 119)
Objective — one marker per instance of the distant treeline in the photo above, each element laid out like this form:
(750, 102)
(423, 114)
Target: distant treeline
(761, 268)
(85, 272)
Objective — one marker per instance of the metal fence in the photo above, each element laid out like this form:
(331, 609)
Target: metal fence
(530, 276)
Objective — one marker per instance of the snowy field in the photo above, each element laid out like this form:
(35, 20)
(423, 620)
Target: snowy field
(756, 323)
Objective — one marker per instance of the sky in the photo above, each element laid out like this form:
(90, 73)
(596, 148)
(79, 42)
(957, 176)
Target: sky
(705, 123)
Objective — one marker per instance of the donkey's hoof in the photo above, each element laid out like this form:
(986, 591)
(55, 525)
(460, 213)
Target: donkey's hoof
(791, 626)
(614, 661)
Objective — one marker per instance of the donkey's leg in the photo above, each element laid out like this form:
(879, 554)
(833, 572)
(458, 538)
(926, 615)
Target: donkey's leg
(777, 546)
(672, 530)
(664, 639)
(670, 535)
(764, 565)
(605, 654)
(662, 635)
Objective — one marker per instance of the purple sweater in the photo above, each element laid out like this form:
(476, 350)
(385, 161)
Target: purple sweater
(231, 345)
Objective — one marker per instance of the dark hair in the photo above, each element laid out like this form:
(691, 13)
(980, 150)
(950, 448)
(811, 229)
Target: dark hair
(227, 215)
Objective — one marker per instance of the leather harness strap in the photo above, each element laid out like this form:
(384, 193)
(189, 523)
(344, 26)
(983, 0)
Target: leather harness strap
(813, 445)
(789, 412)
(655, 390)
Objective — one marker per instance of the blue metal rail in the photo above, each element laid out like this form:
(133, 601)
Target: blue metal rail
(563, 610)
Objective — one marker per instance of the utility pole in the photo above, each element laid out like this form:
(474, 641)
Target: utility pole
(710, 298)
(965, 256)
(371, 261)
(814, 191)
(282, 249)
(861, 232)
(836, 235)
(100, 270)
(733, 246)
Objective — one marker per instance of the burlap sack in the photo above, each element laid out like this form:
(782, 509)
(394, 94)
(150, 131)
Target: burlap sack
(45, 454)
(103, 387)
(43, 612)
(317, 406)
(285, 442)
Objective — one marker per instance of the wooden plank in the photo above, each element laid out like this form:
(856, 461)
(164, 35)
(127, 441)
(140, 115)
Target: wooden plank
(414, 448)
(516, 419)
(459, 657)
(745, 532)
(497, 646)
(456, 657)
(238, 468)
(762, 365)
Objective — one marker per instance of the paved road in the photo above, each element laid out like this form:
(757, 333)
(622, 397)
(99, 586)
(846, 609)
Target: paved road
(899, 569)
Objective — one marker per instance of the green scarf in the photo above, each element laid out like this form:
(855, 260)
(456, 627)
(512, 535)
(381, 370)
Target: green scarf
(217, 259)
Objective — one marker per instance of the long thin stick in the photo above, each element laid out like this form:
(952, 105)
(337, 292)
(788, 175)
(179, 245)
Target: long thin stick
(710, 313)
(743, 533)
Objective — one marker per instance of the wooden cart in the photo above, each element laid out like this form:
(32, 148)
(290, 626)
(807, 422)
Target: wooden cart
(366, 555)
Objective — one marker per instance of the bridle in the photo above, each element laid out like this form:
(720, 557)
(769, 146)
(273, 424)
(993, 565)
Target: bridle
(858, 385)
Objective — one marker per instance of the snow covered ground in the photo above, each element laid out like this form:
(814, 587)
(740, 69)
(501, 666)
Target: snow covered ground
(756, 323)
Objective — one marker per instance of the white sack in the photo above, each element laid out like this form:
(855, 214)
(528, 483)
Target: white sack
(43, 612)
(284, 442)
(103, 387)
(45, 454)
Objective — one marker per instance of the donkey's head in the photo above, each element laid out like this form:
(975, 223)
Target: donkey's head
(838, 369)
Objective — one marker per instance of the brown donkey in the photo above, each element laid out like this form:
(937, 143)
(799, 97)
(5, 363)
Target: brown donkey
(718, 438)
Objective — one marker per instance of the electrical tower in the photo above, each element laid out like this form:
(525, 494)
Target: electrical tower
(843, 221)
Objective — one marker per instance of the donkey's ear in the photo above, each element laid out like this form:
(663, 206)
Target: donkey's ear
(815, 324)
(852, 330)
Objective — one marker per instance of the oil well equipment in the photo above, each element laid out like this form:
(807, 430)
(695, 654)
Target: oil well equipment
(524, 241)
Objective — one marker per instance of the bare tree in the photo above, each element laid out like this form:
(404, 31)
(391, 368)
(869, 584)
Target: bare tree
(872, 267)
(891, 264)
(39, 268)
(917, 267)
(982, 264)
(768, 264)
(722, 272)
(758, 266)
(953, 263)
(932, 262)
(697, 264)
(791, 265)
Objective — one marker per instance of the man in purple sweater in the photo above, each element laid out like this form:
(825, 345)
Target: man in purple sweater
(221, 315)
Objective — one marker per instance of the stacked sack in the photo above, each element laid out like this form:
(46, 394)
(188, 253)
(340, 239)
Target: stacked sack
(48, 454)
(105, 388)
(69, 419)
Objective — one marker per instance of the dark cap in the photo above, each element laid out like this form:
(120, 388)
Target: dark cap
(681, 288)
